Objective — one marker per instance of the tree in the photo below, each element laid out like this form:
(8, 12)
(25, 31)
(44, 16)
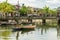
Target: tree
(6, 7)
(23, 10)
(53, 12)
(46, 9)
(58, 10)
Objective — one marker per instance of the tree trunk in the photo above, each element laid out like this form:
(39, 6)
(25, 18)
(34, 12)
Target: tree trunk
(59, 21)
(43, 21)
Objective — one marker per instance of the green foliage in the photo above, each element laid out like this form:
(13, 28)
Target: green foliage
(5, 33)
(23, 10)
(46, 9)
(54, 12)
(49, 11)
(6, 7)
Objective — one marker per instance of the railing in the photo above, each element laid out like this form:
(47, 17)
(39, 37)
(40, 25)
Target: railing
(25, 17)
(17, 16)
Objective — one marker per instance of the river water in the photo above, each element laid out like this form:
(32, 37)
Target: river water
(39, 33)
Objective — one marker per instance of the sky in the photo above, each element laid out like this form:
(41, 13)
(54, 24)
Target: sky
(36, 3)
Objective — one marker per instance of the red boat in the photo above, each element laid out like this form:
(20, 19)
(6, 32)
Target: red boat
(28, 26)
(25, 26)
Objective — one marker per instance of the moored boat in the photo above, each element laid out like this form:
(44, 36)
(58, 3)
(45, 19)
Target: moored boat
(28, 26)
(25, 26)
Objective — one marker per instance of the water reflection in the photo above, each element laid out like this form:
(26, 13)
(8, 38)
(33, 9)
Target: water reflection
(17, 35)
(43, 29)
(5, 34)
(23, 31)
(58, 31)
(39, 33)
(26, 30)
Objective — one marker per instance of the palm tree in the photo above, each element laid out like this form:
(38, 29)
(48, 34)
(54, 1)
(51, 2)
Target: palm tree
(46, 9)
(23, 10)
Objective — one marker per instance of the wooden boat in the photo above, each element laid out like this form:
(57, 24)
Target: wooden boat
(28, 26)
(25, 26)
